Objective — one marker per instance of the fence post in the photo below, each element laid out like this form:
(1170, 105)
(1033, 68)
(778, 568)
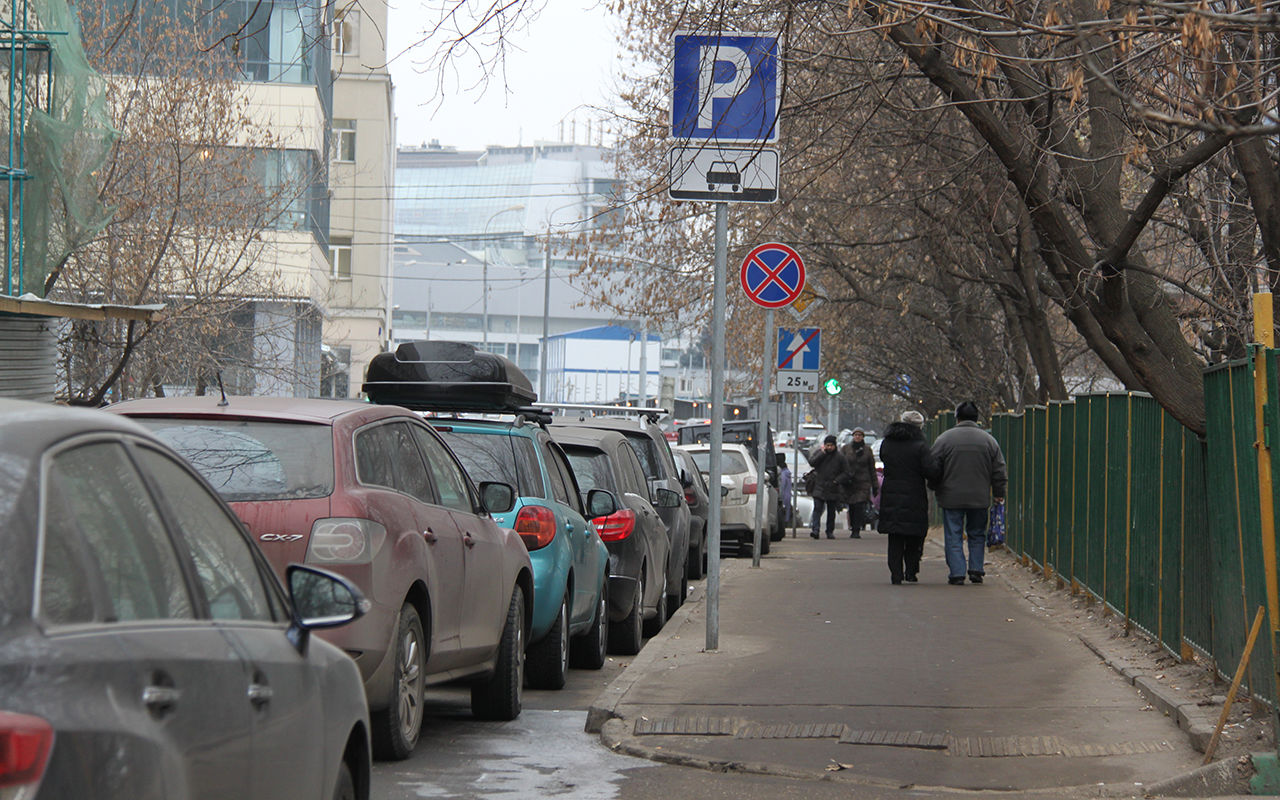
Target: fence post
(1264, 333)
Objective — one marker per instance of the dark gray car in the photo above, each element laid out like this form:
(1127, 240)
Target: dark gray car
(696, 495)
(634, 534)
(147, 650)
(650, 446)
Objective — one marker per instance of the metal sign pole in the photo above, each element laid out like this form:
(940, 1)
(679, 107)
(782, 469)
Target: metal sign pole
(795, 450)
(762, 451)
(718, 308)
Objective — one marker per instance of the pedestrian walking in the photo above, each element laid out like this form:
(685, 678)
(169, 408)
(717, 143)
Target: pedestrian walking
(829, 474)
(784, 489)
(973, 475)
(909, 466)
(862, 485)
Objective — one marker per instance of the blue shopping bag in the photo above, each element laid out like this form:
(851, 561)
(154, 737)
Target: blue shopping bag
(995, 529)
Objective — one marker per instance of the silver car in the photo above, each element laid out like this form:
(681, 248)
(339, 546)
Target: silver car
(147, 650)
(741, 487)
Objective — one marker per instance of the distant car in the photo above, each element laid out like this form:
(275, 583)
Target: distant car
(697, 496)
(744, 488)
(810, 434)
(745, 432)
(639, 547)
(147, 650)
(650, 446)
(372, 492)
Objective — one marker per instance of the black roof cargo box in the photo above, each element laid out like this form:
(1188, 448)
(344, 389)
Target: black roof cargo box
(447, 376)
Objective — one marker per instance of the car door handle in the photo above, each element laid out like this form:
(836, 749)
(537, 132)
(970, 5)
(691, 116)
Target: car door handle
(260, 695)
(160, 699)
(469, 540)
(430, 536)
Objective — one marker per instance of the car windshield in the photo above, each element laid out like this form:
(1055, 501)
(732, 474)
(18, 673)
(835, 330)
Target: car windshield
(250, 460)
(591, 468)
(731, 461)
(496, 457)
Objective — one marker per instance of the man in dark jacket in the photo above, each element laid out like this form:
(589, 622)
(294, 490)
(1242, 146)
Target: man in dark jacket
(830, 472)
(862, 480)
(909, 467)
(973, 473)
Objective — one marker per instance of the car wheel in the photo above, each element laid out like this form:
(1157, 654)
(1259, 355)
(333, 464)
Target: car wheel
(764, 544)
(697, 566)
(396, 727)
(659, 619)
(626, 637)
(589, 649)
(548, 660)
(345, 787)
(499, 697)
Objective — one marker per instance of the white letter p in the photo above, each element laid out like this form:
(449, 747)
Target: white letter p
(708, 89)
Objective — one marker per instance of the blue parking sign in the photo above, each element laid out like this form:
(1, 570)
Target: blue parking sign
(725, 87)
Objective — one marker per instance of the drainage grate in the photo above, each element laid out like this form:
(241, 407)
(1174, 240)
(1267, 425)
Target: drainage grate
(1023, 746)
(687, 726)
(812, 730)
(929, 741)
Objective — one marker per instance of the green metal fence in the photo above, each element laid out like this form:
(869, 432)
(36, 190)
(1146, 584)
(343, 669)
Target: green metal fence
(1112, 496)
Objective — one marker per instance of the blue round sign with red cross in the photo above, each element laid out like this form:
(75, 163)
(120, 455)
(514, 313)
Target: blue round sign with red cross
(773, 275)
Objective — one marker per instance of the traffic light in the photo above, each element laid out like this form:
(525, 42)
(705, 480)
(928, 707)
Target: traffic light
(832, 386)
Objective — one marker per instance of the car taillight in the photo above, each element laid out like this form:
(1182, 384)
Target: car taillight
(339, 540)
(25, 742)
(617, 526)
(536, 526)
(690, 497)
(749, 487)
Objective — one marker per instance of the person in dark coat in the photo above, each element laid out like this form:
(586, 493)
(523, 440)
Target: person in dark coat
(973, 475)
(830, 472)
(909, 466)
(862, 480)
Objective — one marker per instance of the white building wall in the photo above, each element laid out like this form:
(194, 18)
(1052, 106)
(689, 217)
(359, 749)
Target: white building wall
(600, 371)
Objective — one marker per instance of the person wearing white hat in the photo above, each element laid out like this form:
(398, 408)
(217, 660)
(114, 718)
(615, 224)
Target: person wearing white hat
(909, 466)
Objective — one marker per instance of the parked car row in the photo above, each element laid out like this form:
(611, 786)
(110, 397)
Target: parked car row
(448, 531)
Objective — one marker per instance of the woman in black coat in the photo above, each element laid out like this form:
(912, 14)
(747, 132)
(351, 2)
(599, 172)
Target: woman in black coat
(904, 500)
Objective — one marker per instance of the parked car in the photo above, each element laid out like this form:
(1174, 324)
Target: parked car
(745, 432)
(810, 434)
(373, 493)
(697, 497)
(741, 478)
(147, 650)
(650, 446)
(639, 547)
(509, 444)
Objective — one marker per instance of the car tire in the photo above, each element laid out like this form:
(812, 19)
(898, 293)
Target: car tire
(626, 637)
(765, 544)
(345, 787)
(697, 565)
(500, 697)
(548, 660)
(659, 618)
(589, 649)
(674, 601)
(396, 728)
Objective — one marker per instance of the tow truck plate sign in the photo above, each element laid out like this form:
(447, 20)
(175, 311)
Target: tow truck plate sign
(724, 174)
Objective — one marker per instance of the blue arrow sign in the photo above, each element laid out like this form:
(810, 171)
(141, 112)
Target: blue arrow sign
(800, 350)
(725, 87)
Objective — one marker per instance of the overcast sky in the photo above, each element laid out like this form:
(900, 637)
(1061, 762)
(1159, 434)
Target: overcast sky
(557, 67)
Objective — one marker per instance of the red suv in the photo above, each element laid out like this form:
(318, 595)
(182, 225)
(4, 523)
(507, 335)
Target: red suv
(373, 493)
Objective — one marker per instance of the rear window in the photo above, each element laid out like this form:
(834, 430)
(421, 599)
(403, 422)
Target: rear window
(646, 450)
(731, 461)
(249, 460)
(591, 468)
(497, 457)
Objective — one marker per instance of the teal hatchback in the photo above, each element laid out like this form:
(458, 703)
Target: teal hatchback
(570, 562)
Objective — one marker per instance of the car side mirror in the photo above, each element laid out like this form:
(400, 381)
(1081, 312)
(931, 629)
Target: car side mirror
(320, 599)
(601, 503)
(497, 497)
(665, 498)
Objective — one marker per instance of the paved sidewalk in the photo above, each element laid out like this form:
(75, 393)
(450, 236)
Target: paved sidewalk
(825, 670)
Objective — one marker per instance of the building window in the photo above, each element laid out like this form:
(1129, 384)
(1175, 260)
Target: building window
(346, 32)
(340, 256)
(344, 140)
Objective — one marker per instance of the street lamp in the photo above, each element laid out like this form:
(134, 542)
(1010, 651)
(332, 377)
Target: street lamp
(484, 271)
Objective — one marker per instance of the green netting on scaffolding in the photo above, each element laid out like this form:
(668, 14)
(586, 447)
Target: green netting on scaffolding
(56, 136)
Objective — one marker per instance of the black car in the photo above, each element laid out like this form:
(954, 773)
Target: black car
(697, 496)
(639, 548)
(650, 445)
(747, 432)
(147, 650)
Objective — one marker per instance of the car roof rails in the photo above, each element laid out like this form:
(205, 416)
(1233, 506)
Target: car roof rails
(653, 413)
(448, 377)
